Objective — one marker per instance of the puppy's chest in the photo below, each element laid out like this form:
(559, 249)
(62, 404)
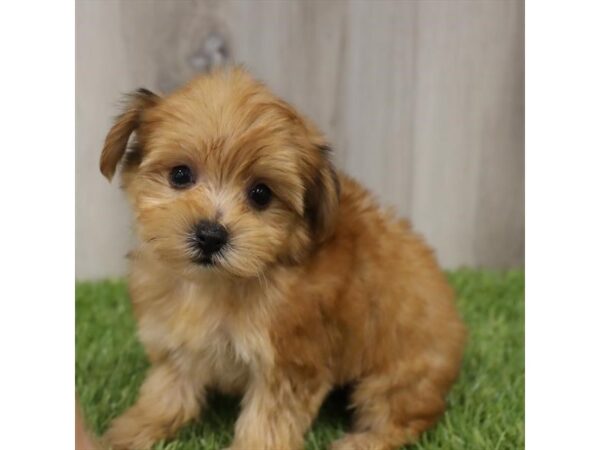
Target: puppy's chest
(204, 334)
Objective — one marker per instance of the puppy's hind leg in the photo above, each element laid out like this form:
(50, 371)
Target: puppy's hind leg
(389, 415)
(166, 402)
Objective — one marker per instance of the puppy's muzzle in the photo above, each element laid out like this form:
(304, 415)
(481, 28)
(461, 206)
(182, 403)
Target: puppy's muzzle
(209, 238)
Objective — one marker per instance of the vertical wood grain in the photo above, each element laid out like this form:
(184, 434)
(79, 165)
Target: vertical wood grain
(499, 239)
(422, 101)
(102, 228)
(468, 126)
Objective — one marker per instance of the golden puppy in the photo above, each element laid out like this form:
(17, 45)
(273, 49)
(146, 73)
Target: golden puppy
(263, 271)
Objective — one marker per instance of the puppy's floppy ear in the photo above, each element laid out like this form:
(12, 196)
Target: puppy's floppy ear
(118, 136)
(322, 197)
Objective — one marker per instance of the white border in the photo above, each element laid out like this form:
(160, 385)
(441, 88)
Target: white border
(563, 224)
(37, 224)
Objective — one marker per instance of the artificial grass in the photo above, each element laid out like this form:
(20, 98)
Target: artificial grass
(486, 406)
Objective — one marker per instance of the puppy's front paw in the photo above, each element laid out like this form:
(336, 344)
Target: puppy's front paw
(358, 441)
(127, 433)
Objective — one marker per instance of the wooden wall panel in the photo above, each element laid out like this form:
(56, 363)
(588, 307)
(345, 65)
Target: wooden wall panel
(422, 101)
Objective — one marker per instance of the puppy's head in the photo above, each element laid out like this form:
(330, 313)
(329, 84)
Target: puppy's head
(223, 175)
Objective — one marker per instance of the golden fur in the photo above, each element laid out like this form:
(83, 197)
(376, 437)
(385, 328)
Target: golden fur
(322, 288)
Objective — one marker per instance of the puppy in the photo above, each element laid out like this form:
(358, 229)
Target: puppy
(263, 271)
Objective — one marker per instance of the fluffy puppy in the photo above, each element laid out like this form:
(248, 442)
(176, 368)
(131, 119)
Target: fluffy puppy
(263, 271)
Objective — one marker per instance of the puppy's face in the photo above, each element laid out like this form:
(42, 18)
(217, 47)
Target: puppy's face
(223, 176)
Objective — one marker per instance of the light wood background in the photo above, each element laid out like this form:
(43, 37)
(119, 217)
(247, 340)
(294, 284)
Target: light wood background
(423, 101)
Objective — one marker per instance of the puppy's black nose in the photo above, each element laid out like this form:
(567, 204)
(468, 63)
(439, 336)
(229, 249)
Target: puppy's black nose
(210, 237)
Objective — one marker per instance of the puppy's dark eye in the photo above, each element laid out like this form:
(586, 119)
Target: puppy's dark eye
(181, 177)
(260, 196)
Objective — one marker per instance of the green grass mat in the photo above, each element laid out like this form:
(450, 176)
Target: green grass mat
(486, 407)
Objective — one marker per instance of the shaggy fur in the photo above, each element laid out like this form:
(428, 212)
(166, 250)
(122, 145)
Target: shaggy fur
(321, 288)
